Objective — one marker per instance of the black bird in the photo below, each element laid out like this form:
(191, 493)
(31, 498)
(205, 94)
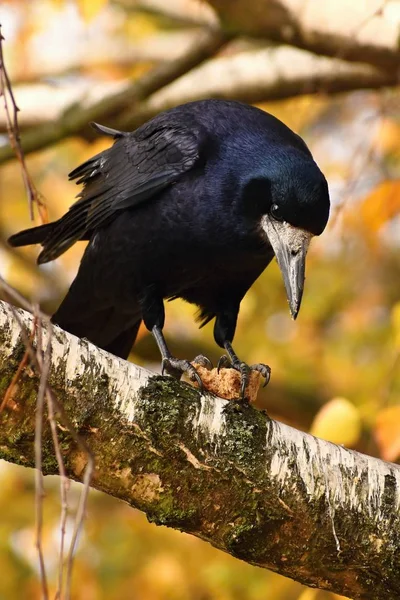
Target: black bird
(194, 204)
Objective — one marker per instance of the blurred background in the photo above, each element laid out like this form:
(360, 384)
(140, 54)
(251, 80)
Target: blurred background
(335, 371)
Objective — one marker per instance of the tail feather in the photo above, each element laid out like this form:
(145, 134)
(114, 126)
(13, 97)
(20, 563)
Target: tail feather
(34, 235)
(122, 344)
(105, 326)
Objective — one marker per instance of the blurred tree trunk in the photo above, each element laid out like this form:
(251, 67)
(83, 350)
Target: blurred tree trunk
(262, 491)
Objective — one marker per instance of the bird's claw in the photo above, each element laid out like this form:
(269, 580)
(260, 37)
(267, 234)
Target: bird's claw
(244, 370)
(203, 361)
(176, 367)
(265, 371)
(224, 363)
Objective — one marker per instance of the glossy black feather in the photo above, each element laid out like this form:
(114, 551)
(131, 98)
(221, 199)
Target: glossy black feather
(173, 210)
(135, 168)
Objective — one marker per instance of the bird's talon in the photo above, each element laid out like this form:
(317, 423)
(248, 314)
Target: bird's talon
(265, 371)
(245, 372)
(203, 361)
(177, 367)
(223, 363)
(194, 376)
(163, 367)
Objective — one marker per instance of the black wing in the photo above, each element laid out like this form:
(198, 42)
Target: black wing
(135, 168)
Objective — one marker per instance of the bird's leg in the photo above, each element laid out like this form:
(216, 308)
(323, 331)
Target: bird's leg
(224, 330)
(153, 315)
(174, 366)
(244, 369)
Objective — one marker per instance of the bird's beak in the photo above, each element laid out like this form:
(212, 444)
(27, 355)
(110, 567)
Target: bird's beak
(290, 246)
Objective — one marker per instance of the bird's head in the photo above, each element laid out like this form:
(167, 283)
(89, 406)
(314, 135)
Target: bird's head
(295, 201)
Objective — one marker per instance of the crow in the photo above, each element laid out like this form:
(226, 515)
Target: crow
(194, 204)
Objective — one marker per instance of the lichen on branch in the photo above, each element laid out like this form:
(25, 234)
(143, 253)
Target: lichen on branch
(264, 492)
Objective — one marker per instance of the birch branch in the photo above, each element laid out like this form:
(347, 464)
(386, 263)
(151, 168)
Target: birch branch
(253, 487)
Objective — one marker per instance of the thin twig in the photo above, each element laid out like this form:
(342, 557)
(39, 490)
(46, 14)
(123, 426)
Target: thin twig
(15, 139)
(89, 469)
(10, 391)
(64, 481)
(39, 363)
(39, 487)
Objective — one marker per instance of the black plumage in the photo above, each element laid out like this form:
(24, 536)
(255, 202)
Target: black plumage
(193, 204)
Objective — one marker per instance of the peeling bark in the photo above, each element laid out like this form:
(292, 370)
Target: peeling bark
(260, 490)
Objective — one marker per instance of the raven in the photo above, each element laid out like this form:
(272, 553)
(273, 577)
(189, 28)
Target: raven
(194, 204)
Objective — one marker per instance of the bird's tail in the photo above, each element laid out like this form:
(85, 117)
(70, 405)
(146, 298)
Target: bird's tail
(122, 344)
(104, 328)
(34, 235)
(83, 314)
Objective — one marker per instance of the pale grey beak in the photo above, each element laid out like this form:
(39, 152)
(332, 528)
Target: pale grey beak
(290, 246)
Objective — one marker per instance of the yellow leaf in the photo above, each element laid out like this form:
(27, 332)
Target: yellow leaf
(396, 324)
(387, 432)
(91, 8)
(338, 421)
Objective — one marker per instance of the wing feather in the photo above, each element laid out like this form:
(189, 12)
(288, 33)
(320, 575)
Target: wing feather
(137, 167)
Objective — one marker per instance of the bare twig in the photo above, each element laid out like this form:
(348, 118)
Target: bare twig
(11, 390)
(64, 487)
(79, 520)
(15, 139)
(39, 487)
(42, 365)
(64, 481)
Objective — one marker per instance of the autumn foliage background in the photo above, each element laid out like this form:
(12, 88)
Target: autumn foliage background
(335, 371)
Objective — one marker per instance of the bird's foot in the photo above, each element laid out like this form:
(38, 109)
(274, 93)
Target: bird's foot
(176, 367)
(245, 370)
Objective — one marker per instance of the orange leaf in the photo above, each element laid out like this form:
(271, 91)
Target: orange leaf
(388, 135)
(387, 432)
(381, 205)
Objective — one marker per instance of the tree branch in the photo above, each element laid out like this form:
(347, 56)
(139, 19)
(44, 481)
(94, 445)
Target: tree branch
(253, 487)
(258, 76)
(157, 47)
(358, 31)
(250, 76)
(75, 119)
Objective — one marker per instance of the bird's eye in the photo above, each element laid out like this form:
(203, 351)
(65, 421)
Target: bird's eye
(276, 212)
